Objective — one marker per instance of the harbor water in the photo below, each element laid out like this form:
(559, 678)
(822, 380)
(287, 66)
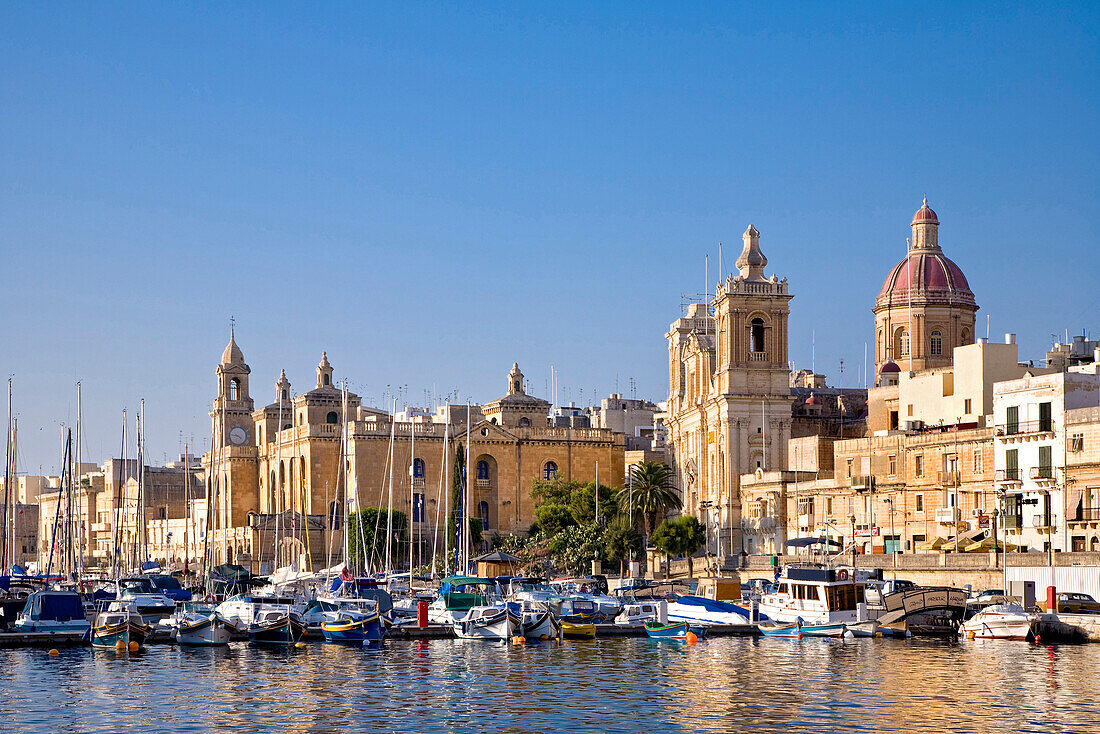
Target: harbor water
(606, 685)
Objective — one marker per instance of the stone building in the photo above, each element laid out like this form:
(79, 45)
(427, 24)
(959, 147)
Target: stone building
(1082, 458)
(729, 406)
(280, 473)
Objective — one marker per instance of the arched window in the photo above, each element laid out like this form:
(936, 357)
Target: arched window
(287, 427)
(493, 421)
(334, 517)
(326, 379)
(517, 386)
(935, 343)
(418, 468)
(483, 469)
(902, 342)
(524, 422)
(965, 338)
(332, 417)
(549, 471)
(235, 388)
(483, 513)
(286, 394)
(757, 329)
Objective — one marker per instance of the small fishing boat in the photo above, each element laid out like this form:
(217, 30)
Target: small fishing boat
(1001, 622)
(200, 624)
(276, 625)
(578, 631)
(354, 623)
(119, 626)
(783, 630)
(498, 622)
(824, 630)
(674, 631)
(538, 621)
(577, 610)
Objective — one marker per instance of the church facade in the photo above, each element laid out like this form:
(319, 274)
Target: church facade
(729, 407)
(277, 469)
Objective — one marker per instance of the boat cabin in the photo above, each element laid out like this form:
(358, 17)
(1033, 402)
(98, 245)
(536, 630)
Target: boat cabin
(817, 595)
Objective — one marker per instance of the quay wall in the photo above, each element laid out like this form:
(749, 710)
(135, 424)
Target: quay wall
(1072, 571)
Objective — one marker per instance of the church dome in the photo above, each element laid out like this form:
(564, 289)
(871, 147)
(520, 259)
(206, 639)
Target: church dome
(934, 279)
(890, 368)
(812, 400)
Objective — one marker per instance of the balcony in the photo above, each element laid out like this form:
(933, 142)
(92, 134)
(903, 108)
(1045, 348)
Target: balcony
(1022, 428)
(1041, 472)
(1010, 522)
(863, 482)
(418, 481)
(483, 483)
(1044, 521)
(949, 478)
(1007, 475)
(947, 515)
(101, 527)
(758, 356)
(1089, 514)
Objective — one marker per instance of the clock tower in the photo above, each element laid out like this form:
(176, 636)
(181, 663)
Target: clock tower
(232, 412)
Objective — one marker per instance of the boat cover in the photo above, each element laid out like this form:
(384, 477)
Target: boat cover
(711, 605)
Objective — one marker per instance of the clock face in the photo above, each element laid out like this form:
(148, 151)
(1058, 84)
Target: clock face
(238, 435)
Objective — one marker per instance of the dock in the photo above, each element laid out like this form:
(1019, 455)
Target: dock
(42, 639)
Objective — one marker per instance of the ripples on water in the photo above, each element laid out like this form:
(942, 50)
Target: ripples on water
(610, 685)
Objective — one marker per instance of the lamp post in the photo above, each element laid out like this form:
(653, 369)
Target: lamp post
(853, 520)
(890, 501)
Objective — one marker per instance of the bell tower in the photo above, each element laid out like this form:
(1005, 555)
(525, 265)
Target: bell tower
(232, 413)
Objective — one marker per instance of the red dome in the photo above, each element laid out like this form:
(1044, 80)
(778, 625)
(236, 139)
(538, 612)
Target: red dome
(925, 215)
(812, 400)
(934, 277)
(889, 368)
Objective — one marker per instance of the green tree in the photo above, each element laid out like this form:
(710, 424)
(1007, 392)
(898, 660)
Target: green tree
(684, 535)
(367, 547)
(621, 541)
(575, 547)
(552, 519)
(650, 493)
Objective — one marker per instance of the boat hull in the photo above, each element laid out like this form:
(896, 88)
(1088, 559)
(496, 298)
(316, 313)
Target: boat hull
(109, 636)
(578, 631)
(354, 631)
(211, 632)
(540, 624)
(677, 631)
(285, 631)
(782, 631)
(824, 630)
(999, 629)
(502, 626)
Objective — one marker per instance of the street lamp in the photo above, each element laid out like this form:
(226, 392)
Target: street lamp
(853, 520)
(890, 501)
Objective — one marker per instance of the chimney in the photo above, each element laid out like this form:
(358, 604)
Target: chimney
(1010, 338)
(983, 340)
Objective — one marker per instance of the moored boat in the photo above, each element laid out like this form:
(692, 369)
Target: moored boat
(674, 631)
(60, 613)
(353, 623)
(498, 622)
(784, 630)
(824, 630)
(119, 627)
(276, 625)
(199, 624)
(578, 630)
(1001, 622)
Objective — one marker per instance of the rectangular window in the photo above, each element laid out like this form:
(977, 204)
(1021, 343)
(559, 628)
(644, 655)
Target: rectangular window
(967, 406)
(849, 468)
(829, 505)
(918, 465)
(1012, 420)
(910, 410)
(418, 507)
(920, 502)
(893, 464)
(1045, 469)
(1012, 464)
(1077, 442)
(1044, 417)
(977, 468)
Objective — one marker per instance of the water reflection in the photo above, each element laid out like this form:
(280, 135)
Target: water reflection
(620, 685)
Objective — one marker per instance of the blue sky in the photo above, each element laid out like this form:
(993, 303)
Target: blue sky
(430, 192)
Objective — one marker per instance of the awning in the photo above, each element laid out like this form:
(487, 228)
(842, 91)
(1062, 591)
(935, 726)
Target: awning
(804, 542)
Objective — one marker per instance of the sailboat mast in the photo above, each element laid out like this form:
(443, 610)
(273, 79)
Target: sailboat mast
(186, 509)
(119, 514)
(344, 473)
(143, 540)
(440, 499)
(389, 502)
(278, 499)
(412, 496)
(466, 499)
(80, 534)
(9, 493)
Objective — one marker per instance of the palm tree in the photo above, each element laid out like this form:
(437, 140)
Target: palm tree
(650, 492)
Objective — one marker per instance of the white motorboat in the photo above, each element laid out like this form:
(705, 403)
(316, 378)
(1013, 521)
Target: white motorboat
(1001, 622)
(240, 610)
(866, 628)
(636, 612)
(816, 596)
(60, 613)
(498, 622)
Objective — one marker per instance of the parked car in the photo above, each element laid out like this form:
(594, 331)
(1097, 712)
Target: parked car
(1074, 602)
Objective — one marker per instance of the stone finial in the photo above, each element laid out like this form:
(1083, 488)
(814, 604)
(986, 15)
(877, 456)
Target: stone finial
(751, 261)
